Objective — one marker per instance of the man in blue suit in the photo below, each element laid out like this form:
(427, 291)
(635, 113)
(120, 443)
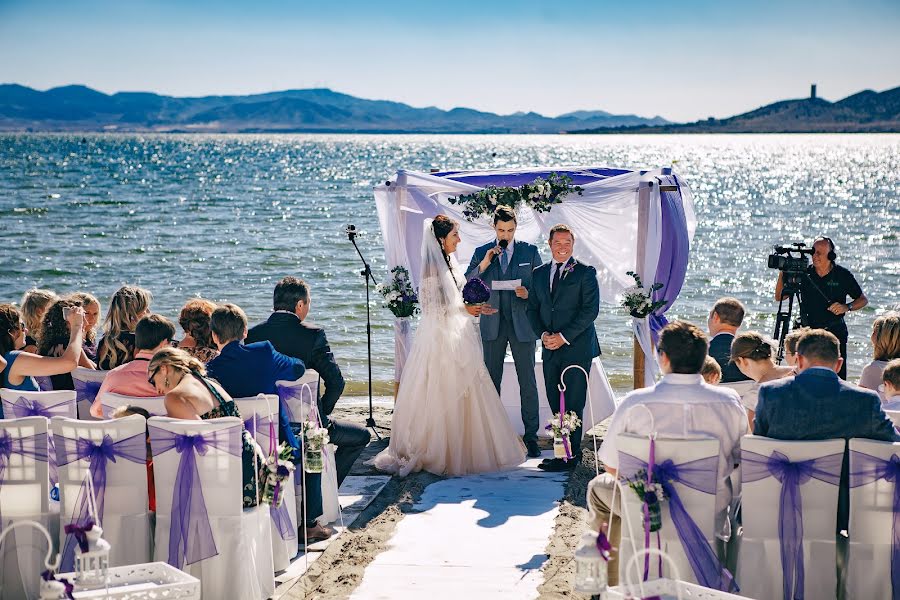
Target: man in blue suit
(817, 405)
(507, 260)
(245, 370)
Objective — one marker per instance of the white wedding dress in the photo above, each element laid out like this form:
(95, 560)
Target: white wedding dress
(448, 418)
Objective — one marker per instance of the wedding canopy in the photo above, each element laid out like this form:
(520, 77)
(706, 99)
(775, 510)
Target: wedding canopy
(624, 220)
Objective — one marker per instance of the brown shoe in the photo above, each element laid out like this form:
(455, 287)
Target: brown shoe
(317, 533)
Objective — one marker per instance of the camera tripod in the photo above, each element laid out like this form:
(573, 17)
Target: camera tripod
(791, 293)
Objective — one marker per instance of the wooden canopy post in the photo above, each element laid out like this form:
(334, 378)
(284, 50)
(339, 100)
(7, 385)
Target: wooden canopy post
(640, 360)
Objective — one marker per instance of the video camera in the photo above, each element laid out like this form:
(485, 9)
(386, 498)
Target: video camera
(783, 259)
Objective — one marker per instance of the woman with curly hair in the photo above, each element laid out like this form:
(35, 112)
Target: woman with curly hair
(34, 304)
(91, 307)
(54, 339)
(128, 305)
(194, 319)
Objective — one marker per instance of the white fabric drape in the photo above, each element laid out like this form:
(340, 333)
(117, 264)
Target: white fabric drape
(402, 344)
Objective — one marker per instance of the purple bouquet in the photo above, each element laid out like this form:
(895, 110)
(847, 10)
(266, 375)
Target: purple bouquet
(476, 292)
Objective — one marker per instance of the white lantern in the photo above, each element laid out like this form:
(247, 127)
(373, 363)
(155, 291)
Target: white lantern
(590, 566)
(91, 567)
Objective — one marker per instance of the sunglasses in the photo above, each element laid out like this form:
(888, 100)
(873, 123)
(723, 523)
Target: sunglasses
(152, 377)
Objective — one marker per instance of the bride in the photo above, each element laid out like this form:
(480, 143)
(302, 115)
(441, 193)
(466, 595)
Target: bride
(448, 418)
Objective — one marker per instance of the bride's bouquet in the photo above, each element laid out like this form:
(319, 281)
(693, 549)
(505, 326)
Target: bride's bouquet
(314, 438)
(476, 292)
(399, 295)
(277, 468)
(562, 428)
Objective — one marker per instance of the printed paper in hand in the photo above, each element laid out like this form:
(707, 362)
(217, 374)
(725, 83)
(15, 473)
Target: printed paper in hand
(510, 284)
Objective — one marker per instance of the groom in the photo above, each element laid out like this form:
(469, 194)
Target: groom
(562, 306)
(507, 260)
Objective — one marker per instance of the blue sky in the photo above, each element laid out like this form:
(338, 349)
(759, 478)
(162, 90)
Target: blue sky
(682, 60)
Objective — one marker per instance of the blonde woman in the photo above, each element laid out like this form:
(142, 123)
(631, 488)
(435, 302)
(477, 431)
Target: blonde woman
(35, 303)
(91, 307)
(754, 355)
(886, 341)
(128, 306)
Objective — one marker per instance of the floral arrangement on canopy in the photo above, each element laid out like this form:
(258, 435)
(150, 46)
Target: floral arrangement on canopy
(399, 295)
(638, 301)
(540, 195)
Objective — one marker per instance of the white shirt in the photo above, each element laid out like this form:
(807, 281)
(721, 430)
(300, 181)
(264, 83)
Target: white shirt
(684, 406)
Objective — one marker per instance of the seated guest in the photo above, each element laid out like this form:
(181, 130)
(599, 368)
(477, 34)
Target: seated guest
(194, 320)
(724, 319)
(54, 339)
(91, 308)
(245, 370)
(711, 372)
(22, 367)
(153, 333)
(127, 411)
(817, 405)
(886, 342)
(35, 303)
(292, 335)
(128, 306)
(890, 378)
(790, 346)
(754, 355)
(681, 404)
(190, 394)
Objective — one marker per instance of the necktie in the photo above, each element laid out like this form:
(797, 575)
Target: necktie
(555, 278)
(504, 261)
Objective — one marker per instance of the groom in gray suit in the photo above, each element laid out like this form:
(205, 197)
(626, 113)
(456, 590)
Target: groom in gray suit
(504, 260)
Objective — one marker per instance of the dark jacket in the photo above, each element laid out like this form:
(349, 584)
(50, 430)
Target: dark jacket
(305, 341)
(720, 350)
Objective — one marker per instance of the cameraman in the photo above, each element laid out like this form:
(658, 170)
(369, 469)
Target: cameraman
(824, 290)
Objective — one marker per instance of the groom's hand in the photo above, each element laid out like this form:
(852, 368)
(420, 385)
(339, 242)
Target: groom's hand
(552, 341)
(522, 292)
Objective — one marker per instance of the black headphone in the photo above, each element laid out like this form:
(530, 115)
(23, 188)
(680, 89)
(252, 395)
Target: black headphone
(832, 256)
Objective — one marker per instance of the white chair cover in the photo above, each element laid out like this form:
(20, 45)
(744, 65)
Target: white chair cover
(156, 405)
(894, 416)
(872, 529)
(241, 566)
(125, 517)
(18, 404)
(700, 506)
(760, 572)
(260, 416)
(24, 495)
(87, 384)
(302, 405)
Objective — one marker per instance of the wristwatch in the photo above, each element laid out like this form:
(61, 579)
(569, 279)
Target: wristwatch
(849, 306)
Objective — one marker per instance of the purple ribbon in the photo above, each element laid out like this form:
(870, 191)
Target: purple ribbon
(68, 450)
(280, 515)
(79, 532)
(86, 390)
(32, 446)
(865, 469)
(190, 534)
(700, 475)
(791, 475)
(27, 407)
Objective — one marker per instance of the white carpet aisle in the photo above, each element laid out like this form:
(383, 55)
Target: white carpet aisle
(480, 536)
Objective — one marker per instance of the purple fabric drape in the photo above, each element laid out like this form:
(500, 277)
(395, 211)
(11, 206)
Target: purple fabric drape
(674, 252)
(190, 534)
(68, 450)
(286, 393)
(791, 475)
(86, 390)
(700, 475)
(26, 407)
(31, 446)
(866, 469)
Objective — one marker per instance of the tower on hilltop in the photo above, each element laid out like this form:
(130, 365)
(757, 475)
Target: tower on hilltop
(812, 92)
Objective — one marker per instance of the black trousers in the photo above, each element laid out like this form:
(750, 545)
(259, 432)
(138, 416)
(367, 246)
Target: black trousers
(576, 387)
(350, 440)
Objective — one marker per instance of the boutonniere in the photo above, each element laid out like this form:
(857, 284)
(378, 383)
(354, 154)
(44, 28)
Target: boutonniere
(570, 266)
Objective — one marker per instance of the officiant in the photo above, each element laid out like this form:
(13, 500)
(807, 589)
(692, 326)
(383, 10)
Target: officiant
(506, 265)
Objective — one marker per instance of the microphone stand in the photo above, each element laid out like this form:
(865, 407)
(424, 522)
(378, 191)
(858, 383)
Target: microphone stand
(367, 273)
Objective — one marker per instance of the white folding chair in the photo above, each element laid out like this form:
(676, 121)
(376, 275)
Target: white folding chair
(116, 451)
(228, 548)
(155, 405)
(760, 570)
(260, 416)
(24, 495)
(894, 416)
(699, 505)
(873, 477)
(18, 404)
(291, 394)
(87, 384)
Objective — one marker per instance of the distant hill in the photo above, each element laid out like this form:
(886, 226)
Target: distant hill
(866, 111)
(78, 108)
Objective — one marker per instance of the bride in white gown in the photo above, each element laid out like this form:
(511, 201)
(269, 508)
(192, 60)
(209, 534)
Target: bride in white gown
(448, 418)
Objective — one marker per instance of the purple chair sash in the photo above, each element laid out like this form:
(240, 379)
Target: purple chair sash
(286, 393)
(31, 446)
(791, 475)
(68, 450)
(26, 407)
(190, 534)
(280, 515)
(865, 469)
(86, 391)
(701, 475)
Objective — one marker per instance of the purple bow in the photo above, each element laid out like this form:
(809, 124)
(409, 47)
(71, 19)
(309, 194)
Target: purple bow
(700, 475)
(190, 534)
(32, 446)
(86, 390)
(68, 450)
(79, 532)
(865, 469)
(51, 576)
(26, 407)
(791, 475)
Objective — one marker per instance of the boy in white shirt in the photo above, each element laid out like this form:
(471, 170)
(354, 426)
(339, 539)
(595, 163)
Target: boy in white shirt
(890, 378)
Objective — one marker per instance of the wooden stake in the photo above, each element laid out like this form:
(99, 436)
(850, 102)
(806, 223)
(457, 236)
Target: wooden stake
(638, 367)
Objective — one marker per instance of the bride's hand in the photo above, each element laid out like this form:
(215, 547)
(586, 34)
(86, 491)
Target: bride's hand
(474, 309)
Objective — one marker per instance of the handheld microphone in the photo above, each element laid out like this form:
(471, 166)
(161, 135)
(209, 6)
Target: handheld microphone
(503, 244)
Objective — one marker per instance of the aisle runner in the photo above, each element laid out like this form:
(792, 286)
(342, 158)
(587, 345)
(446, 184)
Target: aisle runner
(480, 536)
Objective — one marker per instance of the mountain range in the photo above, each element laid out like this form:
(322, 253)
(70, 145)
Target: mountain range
(863, 112)
(79, 108)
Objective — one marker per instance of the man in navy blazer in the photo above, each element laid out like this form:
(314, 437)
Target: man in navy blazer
(817, 405)
(509, 325)
(291, 334)
(245, 370)
(562, 306)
